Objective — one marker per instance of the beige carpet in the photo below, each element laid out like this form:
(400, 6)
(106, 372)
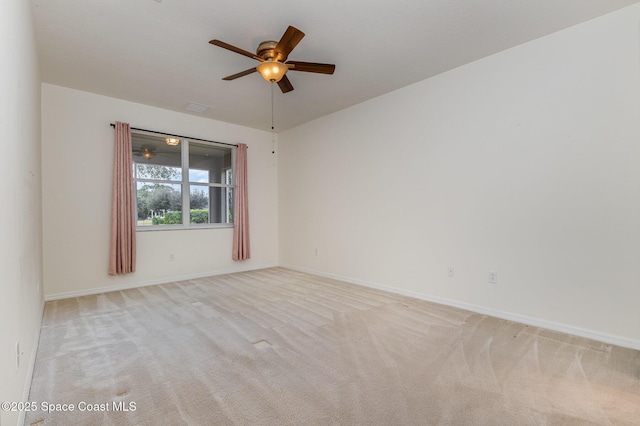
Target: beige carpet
(280, 347)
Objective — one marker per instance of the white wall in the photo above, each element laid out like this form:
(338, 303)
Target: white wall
(20, 229)
(78, 168)
(525, 163)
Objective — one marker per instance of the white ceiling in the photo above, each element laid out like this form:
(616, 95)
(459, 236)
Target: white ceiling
(156, 52)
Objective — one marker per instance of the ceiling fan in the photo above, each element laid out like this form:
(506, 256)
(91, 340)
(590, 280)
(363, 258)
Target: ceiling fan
(273, 59)
(145, 152)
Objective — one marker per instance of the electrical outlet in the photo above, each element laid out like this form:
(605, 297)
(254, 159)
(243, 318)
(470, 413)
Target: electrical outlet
(18, 354)
(493, 277)
(172, 257)
(450, 271)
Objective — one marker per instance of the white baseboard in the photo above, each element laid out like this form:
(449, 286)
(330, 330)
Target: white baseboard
(31, 367)
(164, 280)
(510, 316)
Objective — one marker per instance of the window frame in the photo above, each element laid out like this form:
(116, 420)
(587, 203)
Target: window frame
(185, 186)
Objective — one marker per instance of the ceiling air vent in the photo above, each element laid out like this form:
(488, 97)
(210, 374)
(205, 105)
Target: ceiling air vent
(192, 106)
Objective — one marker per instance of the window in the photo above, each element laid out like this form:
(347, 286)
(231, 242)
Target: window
(189, 185)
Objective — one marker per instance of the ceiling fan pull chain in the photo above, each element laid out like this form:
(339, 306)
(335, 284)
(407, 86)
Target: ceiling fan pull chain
(273, 133)
(272, 84)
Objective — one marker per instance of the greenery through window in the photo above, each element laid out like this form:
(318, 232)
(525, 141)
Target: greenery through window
(182, 186)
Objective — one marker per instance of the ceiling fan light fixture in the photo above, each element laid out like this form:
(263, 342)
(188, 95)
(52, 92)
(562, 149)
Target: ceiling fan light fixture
(272, 71)
(172, 141)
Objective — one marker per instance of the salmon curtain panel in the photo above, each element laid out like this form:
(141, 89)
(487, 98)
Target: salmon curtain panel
(123, 221)
(241, 246)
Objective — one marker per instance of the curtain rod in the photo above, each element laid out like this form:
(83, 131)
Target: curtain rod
(177, 136)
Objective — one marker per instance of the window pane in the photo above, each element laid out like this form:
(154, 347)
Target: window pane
(208, 164)
(211, 204)
(158, 204)
(199, 204)
(150, 171)
(154, 159)
(199, 176)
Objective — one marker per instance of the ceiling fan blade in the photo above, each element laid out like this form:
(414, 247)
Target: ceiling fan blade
(285, 85)
(240, 74)
(312, 67)
(235, 49)
(288, 42)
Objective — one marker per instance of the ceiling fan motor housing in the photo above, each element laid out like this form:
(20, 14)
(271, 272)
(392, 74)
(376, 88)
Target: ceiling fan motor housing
(266, 50)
